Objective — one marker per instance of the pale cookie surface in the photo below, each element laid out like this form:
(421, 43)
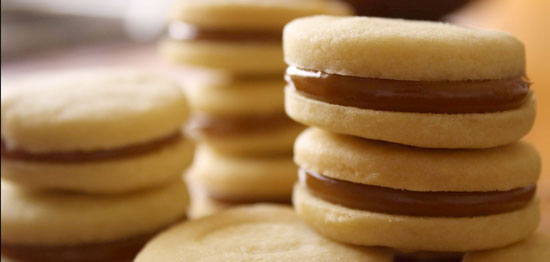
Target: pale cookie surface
(415, 233)
(62, 218)
(255, 233)
(417, 129)
(90, 110)
(239, 58)
(109, 176)
(238, 97)
(401, 50)
(536, 248)
(416, 169)
(248, 177)
(277, 140)
(252, 14)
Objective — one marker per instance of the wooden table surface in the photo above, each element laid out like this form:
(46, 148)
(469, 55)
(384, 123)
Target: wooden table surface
(529, 20)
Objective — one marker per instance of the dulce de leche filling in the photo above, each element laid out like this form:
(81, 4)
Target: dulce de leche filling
(97, 155)
(211, 125)
(414, 203)
(450, 97)
(123, 250)
(189, 32)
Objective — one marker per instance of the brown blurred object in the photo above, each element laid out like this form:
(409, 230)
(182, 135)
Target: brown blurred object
(410, 9)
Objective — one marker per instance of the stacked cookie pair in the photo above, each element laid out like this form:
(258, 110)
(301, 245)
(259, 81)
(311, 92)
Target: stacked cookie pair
(91, 164)
(415, 145)
(245, 139)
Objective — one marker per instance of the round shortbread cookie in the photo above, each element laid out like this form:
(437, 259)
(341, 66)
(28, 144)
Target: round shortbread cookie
(536, 248)
(90, 110)
(109, 176)
(254, 233)
(415, 233)
(252, 14)
(62, 218)
(237, 98)
(401, 49)
(244, 177)
(275, 141)
(397, 166)
(477, 130)
(238, 58)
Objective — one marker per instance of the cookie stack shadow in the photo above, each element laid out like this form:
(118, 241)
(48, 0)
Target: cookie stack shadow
(414, 144)
(244, 152)
(91, 164)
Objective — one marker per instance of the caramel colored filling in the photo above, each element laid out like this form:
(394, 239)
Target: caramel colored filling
(247, 200)
(415, 203)
(236, 125)
(189, 32)
(450, 97)
(422, 256)
(123, 250)
(85, 156)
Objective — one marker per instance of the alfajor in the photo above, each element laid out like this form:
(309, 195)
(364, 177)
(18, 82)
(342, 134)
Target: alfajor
(375, 193)
(417, 83)
(241, 115)
(234, 179)
(95, 131)
(50, 226)
(241, 36)
(253, 233)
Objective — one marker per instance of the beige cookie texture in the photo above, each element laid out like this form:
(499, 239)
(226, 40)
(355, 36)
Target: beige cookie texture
(118, 175)
(244, 177)
(238, 58)
(255, 233)
(397, 166)
(62, 218)
(415, 233)
(277, 140)
(478, 130)
(201, 205)
(238, 97)
(536, 248)
(91, 109)
(401, 49)
(251, 14)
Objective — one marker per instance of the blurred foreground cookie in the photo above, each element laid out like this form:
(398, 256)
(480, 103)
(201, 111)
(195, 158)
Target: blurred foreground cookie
(234, 179)
(374, 193)
(416, 83)
(534, 249)
(241, 36)
(255, 233)
(241, 115)
(61, 227)
(94, 131)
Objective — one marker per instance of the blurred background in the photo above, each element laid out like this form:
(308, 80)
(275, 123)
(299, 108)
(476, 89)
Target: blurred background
(42, 35)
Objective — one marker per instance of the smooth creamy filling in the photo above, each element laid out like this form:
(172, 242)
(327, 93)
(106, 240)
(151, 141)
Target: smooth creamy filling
(427, 256)
(211, 125)
(415, 203)
(113, 251)
(234, 200)
(450, 97)
(97, 155)
(189, 32)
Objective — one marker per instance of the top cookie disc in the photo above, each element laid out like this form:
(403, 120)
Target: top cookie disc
(252, 14)
(401, 50)
(90, 110)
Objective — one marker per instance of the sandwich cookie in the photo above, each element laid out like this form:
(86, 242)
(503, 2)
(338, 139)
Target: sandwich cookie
(201, 204)
(374, 193)
(94, 131)
(253, 233)
(417, 83)
(60, 226)
(241, 115)
(236, 179)
(243, 37)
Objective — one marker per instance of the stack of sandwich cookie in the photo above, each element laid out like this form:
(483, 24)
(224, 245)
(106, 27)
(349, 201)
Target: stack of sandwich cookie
(238, 105)
(86, 156)
(433, 168)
